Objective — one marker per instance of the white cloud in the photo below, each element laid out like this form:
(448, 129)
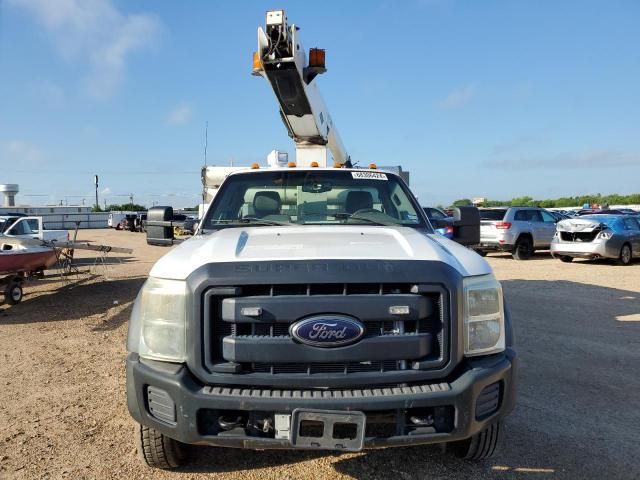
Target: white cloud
(96, 34)
(179, 115)
(458, 97)
(105, 191)
(27, 154)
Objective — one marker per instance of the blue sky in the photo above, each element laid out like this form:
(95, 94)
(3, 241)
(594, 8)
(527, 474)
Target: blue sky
(492, 98)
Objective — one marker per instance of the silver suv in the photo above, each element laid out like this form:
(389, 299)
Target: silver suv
(519, 230)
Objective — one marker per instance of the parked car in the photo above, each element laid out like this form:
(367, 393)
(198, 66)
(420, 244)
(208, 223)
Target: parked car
(142, 222)
(441, 222)
(519, 230)
(597, 236)
(629, 211)
(115, 218)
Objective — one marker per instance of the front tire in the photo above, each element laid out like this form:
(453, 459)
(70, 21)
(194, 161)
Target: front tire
(523, 248)
(480, 446)
(157, 450)
(13, 293)
(566, 259)
(625, 256)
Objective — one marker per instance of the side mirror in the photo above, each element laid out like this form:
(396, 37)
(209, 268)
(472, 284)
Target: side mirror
(466, 225)
(159, 226)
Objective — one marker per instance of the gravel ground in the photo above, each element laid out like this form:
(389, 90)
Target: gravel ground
(62, 382)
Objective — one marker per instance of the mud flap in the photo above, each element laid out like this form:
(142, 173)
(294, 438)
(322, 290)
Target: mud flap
(328, 430)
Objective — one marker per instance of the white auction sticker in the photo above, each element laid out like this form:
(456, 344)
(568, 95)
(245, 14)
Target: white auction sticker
(369, 175)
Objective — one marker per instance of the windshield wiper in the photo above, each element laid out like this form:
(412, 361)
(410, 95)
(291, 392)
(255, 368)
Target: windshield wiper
(253, 221)
(351, 216)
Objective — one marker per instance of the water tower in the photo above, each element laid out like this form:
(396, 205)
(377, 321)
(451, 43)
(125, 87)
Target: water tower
(9, 192)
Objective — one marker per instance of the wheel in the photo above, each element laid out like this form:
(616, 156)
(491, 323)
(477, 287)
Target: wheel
(565, 258)
(158, 450)
(625, 255)
(480, 446)
(13, 293)
(523, 249)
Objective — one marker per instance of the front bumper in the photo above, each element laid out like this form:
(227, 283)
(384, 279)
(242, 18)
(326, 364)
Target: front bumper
(459, 395)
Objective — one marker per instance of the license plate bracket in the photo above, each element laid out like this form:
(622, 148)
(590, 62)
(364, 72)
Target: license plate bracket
(328, 430)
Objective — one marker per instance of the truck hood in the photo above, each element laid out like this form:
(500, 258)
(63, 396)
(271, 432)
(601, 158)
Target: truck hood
(315, 243)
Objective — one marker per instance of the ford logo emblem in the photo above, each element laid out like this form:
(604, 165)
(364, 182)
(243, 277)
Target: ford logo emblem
(327, 331)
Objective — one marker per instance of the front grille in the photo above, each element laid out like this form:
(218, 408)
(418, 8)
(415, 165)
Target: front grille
(313, 299)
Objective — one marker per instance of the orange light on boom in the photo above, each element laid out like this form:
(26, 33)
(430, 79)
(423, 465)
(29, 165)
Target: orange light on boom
(257, 63)
(316, 57)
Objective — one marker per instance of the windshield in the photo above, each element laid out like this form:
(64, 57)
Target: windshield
(306, 197)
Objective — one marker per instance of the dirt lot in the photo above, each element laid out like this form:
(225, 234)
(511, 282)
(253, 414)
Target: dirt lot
(62, 382)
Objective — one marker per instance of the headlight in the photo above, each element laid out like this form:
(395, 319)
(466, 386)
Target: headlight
(606, 234)
(158, 321)
(483, 316)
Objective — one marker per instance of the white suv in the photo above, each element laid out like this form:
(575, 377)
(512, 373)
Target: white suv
(519, 230)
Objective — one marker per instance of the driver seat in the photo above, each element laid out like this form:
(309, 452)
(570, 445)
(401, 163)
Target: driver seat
(358, 200)
(267, 205)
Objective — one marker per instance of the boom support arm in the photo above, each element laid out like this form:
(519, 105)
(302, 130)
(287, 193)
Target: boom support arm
(282, 61)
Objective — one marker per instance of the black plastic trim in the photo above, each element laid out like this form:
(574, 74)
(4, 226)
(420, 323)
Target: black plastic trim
(285, 350)
(288, 308)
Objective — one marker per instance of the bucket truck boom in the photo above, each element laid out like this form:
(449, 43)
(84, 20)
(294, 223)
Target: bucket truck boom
(283, 62)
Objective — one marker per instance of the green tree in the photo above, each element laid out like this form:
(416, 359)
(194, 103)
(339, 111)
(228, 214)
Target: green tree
(463, 202)
(126, 207)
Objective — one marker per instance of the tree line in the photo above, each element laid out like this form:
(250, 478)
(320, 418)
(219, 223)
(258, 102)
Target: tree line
(578, 201)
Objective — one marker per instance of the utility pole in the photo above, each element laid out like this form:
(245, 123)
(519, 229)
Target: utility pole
(95, 180)
(131, 200)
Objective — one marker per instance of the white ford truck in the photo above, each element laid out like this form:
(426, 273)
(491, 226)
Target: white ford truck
(317, 309)
(31, 228)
